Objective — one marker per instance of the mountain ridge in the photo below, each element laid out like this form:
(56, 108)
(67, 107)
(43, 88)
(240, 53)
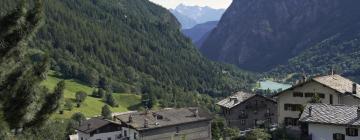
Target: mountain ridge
(259, 35)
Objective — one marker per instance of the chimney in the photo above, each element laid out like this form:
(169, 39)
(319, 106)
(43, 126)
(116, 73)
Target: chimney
(146, 123)
(310, 111)
(332, 71)
(354, 87)
(196, 113)
(304, 78)
(130, 119)
(234, 99)
(358, 112)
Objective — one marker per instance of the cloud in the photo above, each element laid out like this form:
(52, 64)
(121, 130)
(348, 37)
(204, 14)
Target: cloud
(210, 3)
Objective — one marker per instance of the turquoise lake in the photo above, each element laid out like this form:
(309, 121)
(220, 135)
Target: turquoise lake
(264, 85)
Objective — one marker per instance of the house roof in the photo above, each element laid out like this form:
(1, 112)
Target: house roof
(331, 114)
(163, 118)
(238, 98)
(336, 82)
(93, 124)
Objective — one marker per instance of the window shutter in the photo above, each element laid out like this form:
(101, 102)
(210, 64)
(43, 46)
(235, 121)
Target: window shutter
(356, 132)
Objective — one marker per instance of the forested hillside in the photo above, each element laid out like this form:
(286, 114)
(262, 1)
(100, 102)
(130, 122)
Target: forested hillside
(129, 46)
(259, 35)
(340, 52)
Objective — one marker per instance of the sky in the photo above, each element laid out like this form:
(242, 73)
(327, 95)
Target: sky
(211, 3)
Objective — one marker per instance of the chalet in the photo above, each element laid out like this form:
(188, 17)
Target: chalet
(331, 122)
(99, 129)
(246, 111)
(167, 124)
(330, 89)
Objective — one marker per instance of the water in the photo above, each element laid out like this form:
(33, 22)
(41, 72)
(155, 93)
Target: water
(273, 86)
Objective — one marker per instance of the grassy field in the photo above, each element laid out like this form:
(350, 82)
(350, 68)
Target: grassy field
(91, 106)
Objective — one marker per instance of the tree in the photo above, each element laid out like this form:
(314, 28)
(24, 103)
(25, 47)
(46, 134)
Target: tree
(109, 99)
(68, 105)
(78, 118)
(106, 112)
(23, 101)
(80, 96)
(258, 134)
(315, 99)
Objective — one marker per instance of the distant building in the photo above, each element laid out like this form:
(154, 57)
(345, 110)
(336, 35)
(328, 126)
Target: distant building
(331, 122)
(246, 111)
(331, 89)
(167, 124)
(99, 129)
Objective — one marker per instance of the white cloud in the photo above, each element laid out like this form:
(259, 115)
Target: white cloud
(210, 3)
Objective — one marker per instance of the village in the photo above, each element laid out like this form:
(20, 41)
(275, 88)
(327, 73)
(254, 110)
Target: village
(318, 108)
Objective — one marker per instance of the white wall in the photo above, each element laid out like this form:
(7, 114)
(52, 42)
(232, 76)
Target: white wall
(325, 132)
(102, 136)
(313, 87)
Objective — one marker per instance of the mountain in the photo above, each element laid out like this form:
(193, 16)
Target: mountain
(258, 35)
(199, 31)
(185, 21)
(340, 53)
(189, 16)
(130, 46)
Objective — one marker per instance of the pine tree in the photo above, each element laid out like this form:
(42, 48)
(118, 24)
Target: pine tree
(23, 102)
(106, 112)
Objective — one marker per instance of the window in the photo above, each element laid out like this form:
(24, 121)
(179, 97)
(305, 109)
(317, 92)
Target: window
(177, 130)
(82, 138)
(242, 121)
(291, 121)
(351, 131)
(125, 133)
(338, 136)
(292, 107)
(268, 120)
(309, 94)
(331, 99)
(135, 135)
(321, 95)
(298, 94)
(109, 138)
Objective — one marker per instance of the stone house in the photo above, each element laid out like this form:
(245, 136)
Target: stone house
(331, 122)
(331, 89)
(246, 111)
(99, 129)
(167, 124)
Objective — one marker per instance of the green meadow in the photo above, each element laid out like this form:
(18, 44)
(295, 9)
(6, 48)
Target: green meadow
(91, 106)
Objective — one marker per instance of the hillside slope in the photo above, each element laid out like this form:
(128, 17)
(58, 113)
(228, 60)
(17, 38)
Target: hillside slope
(129, 46)
(259, 34)
(340, 52)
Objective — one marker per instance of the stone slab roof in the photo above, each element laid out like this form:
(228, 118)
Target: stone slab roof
(93, 124)
(163, 118)
(331, 114)
(235, 99)
(338, 83)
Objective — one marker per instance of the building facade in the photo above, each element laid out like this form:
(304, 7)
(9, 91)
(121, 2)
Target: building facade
(99, 129)
(246, 111)
(331, 89)
(167, 124)
(331, 122)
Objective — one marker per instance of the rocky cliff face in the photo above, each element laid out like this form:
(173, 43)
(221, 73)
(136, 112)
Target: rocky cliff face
(260, 34)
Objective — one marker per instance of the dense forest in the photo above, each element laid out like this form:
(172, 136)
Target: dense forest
(339, 53)
(130, 46)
